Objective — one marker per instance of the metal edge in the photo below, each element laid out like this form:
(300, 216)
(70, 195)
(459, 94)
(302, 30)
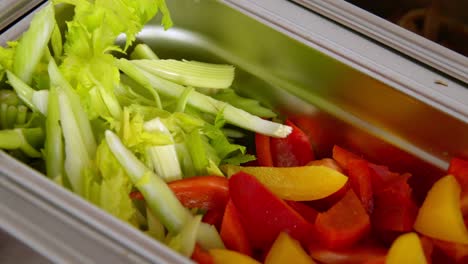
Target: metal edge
(374, 59)
(407, 42)
(65, 228)
(12, 10)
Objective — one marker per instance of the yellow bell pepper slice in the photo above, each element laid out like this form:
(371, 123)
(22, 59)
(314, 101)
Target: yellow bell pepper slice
(440, 215)
(406, 248)
(304, 183)
(285, 249)
(225, 256)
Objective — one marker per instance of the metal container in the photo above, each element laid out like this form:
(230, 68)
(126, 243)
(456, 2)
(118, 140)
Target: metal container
(288, 58)
(447, 24)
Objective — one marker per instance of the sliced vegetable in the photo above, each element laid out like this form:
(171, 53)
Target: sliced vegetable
(158, 196)
(232, 231)
(184, 241)
(304, 183)
(224, 256)
(190, 73)
(294, 150)
(440, 215)
(263, 150)
(343, 224)
(309, 213)
(202, 192)
(394, 207)
(361, 182)
(286, 249)
(208, 237)
(201, 256)
(207, 104)
(406, 249)
(353, 255)
(343, 157)
(264, 215)
(143, 52)
(459, 168)
(455, 251)
(33, 43)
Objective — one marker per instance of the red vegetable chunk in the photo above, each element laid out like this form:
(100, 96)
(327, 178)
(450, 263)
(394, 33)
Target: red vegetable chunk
(360, 178)
(309, 213)
(395, 209)
(262, 148)
(294, 150)
(344, 224)
(343, 157)
(201, 256)
(264, 215)
(354, 255)
(232, 232)
(459, 168)
(203, 192)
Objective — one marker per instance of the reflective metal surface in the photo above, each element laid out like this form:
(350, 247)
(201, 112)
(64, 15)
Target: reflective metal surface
(447, 26)
(286, 57)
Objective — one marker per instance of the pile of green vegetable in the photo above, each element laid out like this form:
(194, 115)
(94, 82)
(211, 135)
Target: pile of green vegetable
(103, 126)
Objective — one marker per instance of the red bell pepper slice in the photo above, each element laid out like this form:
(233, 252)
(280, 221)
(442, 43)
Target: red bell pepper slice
(263, 214)
(459, 168)
(357, 254)
(381, 175)
(309, 213)
(263, 151)
(453, 252)
(343, 156)
(343, 224)
(201, 256)
(326, 203)
(202, 192)
(294, 150)
(394, 207)
(213, 217)
(361, 182)
(232, 232)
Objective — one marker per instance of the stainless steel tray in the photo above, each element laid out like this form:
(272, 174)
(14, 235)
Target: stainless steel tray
(287, 57)
(422, 49)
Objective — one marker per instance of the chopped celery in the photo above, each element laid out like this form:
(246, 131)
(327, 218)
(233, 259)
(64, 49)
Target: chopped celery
(16, 139)
(208, 104)
(158, 196)
(190, 73)
(143, 51)
(33, 43)
(184, 242)
(165, 162)
(77, 157)
(24, 91)
(53, 142)
(79, 114)
(155, 228)
(208, 237)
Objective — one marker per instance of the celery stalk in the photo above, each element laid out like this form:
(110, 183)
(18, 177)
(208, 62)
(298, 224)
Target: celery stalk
(79, 114)
(76, 154)
(15, 139)
(143, 51)
(184, 242)
(208, 237)
(207, 104)
(53, 143)
(190, 73)
(33, 43)
(158, 196)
